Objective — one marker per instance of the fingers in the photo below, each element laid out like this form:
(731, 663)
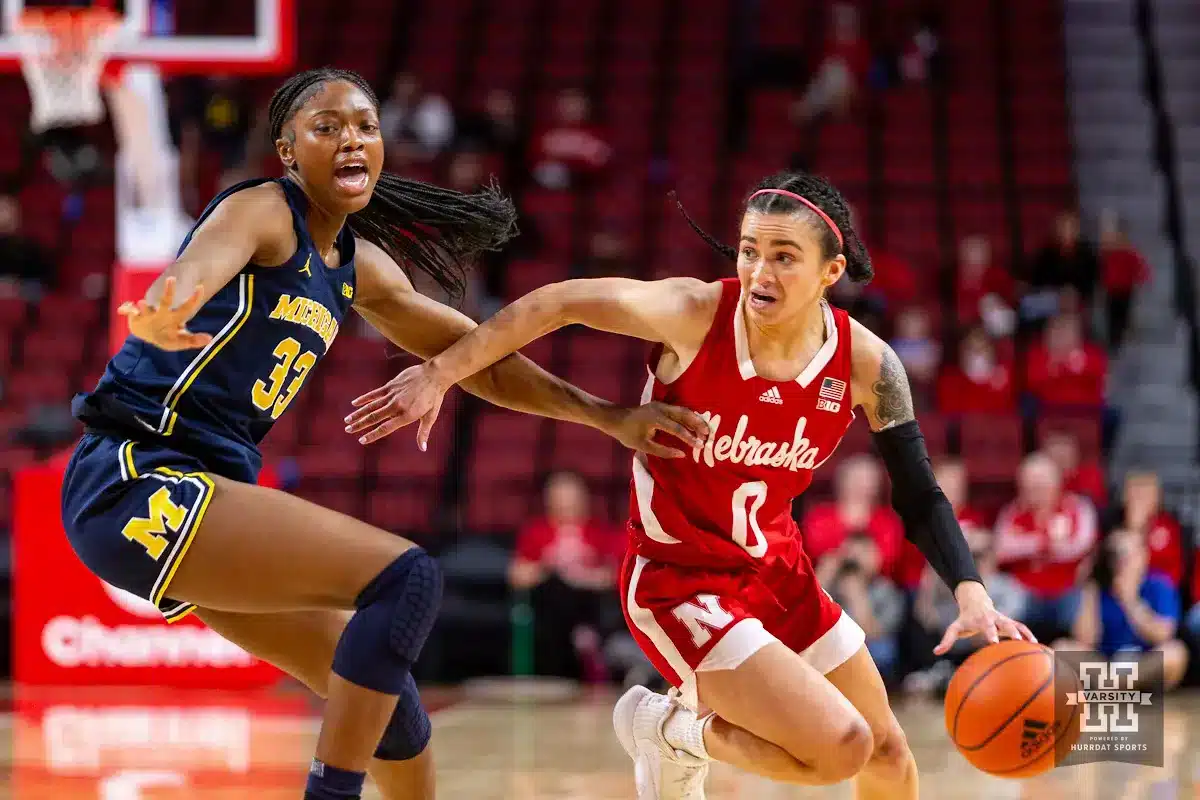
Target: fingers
(1008, 629)
(193, 303)
(168, 294)
(989, 631)
(666, 420)
(370, 396)
(661, 450)
(127, 309)
(371, 415)
(948, 639)
(386, 429)
(1026, 634)
(426, 426)
(693, 421)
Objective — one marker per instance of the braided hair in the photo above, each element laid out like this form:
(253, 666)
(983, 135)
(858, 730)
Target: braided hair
(824, 196)
(426, 227)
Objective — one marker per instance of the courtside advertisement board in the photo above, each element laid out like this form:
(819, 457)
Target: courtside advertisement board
(72, 629)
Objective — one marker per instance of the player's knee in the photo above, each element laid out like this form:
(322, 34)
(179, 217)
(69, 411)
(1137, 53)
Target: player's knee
(396, 612)
(409, 730)
(853, 745)
(891, 759)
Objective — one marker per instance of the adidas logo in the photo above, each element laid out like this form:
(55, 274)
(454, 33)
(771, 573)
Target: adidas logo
(1035, 735)
(772, 395)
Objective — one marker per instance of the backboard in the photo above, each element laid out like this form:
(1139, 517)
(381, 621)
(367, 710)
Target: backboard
(182, 36)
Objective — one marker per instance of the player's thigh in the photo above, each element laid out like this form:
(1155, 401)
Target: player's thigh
(261, 550)
(859, 681)
(301, 643)
(779, 697)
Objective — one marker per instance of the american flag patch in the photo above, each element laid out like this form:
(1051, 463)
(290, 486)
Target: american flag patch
(832, 389)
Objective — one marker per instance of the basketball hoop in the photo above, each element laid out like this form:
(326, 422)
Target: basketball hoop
(63, 51)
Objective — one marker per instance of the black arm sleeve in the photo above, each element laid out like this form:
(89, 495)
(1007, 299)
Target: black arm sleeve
(929, 520)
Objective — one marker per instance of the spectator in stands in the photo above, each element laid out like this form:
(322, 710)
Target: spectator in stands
(1128, 607)
(1141, 512)
(1068, 262)
(857, 508)
(841, 72)
(1044, 539)
(921, 56)
(919, 352)
(25, 267)
(979, 381)
(567, 560)
(572, 149)
(1081, 477)
(871, 600)
(1064, 372)
(1123, 271)
(416, 117)
(935, 608)
(494, 128)
(983, 291)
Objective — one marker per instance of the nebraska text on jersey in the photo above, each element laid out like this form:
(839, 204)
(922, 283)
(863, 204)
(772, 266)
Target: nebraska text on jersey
(748, 450)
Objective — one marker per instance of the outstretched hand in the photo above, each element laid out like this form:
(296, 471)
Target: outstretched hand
(164, 325)
(977, 615)
(414, 394)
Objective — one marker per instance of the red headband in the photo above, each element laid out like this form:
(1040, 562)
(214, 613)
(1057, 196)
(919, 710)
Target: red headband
(811, 205)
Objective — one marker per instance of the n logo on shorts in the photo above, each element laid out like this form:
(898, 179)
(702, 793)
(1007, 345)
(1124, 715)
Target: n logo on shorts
(703, 616)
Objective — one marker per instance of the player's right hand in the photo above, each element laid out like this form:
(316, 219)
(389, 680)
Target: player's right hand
(164, 325)
(414, 394)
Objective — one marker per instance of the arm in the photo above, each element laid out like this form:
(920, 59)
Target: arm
(674, 311)
(251, 226)
(881, 388)
(424, 327)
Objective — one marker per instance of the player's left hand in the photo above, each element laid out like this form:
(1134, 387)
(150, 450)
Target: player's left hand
(414, 394)
(977, 615)
(636, 427)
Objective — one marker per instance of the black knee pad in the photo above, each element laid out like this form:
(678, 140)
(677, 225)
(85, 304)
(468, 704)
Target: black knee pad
(409, 730)
(396, 612)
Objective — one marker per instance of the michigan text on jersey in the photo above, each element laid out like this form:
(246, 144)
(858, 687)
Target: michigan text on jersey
(310, 314)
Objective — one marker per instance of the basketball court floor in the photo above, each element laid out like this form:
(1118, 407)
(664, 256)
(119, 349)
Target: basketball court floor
(147, 745)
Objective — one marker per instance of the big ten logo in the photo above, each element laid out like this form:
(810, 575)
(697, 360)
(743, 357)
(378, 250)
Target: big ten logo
(71, 641)
(1109, 698)
(91, 739)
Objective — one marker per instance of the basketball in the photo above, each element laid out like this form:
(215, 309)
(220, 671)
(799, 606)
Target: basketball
(1006, 709)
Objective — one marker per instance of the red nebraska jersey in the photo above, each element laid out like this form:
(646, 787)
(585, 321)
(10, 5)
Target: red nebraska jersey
(729, 504)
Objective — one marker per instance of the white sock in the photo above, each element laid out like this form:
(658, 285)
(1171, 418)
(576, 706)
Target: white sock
(684, 731)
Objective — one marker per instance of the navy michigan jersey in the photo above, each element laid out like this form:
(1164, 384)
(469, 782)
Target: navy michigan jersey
(161, 424)
(270, 327)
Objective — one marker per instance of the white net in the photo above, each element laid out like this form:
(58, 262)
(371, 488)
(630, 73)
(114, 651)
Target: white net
(62, 58)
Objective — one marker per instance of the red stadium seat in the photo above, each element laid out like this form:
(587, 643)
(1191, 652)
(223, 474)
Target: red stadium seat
(991, 446)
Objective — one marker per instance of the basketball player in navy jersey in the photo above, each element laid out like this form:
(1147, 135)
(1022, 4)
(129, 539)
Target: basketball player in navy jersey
(160, 497)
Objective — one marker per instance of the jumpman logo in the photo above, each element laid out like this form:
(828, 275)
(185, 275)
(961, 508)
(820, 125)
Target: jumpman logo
(305, 270)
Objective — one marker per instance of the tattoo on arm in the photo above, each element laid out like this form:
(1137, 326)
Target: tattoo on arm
(893, 405)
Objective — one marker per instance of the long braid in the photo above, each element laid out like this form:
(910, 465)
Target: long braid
(421, 226)
(821, 193)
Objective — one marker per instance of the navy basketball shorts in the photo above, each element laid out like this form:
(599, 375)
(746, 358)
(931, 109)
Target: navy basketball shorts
(130, 511)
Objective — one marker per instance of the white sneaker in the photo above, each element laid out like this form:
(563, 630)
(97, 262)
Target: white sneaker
(660, 771)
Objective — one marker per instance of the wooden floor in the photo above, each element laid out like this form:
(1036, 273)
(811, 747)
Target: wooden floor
(142, 745)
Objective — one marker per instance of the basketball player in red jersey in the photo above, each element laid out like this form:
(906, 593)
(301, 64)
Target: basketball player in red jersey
(716, 587)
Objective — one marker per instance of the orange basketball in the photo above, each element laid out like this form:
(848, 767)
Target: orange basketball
(1006, 713)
